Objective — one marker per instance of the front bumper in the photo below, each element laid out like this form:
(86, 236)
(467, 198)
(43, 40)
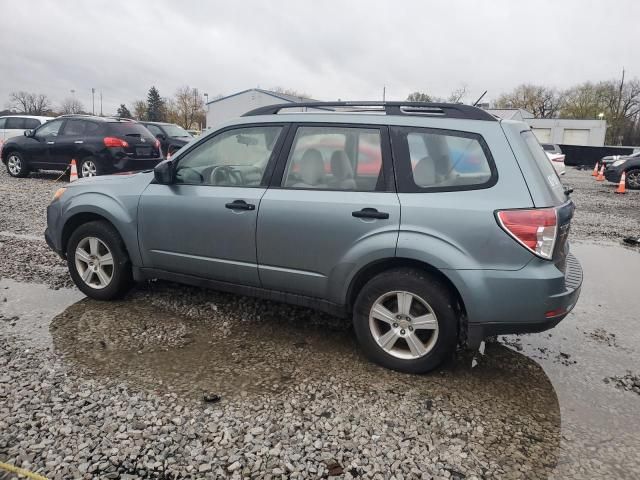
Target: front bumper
(550, 311)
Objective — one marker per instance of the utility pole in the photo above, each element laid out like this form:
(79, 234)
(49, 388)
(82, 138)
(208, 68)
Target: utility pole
(93, 101)
(384, 93)
(100, 102)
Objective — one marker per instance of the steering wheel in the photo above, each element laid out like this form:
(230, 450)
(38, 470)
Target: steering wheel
(225, 175)
(201, 178)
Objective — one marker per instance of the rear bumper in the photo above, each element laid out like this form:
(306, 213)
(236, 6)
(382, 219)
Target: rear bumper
(613, 175)
(530, 300)
(132, 164)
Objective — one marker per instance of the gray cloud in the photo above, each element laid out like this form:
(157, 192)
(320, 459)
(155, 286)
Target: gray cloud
(331, 49)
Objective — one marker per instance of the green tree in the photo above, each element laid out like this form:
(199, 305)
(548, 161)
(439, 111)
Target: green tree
(123, 111)
(419, 97)
(155, 106)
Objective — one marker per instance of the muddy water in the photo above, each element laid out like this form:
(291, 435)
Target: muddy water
(544, 393)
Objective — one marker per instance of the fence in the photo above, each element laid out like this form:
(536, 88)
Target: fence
(583, 155)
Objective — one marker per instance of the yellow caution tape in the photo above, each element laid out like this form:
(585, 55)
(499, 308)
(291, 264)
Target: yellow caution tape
(21, 471)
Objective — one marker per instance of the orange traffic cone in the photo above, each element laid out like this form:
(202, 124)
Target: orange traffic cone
(74, 171)
(600, 176)
(595, 170)
(623, 184)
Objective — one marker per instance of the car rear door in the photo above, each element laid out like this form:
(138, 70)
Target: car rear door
(204, 225)
(331, 209)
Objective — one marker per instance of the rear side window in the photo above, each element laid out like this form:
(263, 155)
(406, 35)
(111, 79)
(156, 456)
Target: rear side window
(31, 123)
(74, 128)
(154, 129)
(544, 164)
(15, 123)
(2, 120)
(441, 160)
(335, 158)
(129, 129)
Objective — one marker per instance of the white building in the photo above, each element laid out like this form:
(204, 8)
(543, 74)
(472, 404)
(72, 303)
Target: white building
(564, 131)
(232, 106)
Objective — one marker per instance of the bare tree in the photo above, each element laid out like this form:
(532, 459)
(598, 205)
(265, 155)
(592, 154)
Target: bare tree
(140, 110)
(189, 106)
(543, 102)
(30, 103)
(71, 105)
(291, 92)
(458, 94)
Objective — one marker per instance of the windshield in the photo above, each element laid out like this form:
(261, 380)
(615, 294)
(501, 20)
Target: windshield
(176, 131)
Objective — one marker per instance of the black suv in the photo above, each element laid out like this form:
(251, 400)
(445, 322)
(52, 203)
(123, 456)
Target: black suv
(172, 137)
(100, 145)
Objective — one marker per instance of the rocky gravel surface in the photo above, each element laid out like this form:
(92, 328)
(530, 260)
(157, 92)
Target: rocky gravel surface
(178, 382)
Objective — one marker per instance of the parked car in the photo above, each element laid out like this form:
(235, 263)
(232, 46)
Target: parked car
(608, 160)
(256, 208)
(630, 165)
(14, 125)
(172, 137)
(99, 145)
(552, 148)
(554, 152)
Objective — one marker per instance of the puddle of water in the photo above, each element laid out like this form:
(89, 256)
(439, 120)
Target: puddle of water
(28, 308)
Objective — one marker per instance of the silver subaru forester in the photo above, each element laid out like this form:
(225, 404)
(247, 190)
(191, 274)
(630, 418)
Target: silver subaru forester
(431, 225)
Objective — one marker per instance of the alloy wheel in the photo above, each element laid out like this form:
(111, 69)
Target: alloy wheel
(94, 262)
(633, 179)
(403, 325)
(14, 164)
(88, 169)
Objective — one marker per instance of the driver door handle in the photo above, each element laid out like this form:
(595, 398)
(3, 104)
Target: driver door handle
(79, 141)
(370, 213)
(240, 205)
(49, 142)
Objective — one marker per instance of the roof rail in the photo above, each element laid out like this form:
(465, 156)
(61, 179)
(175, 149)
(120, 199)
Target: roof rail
(447, 110)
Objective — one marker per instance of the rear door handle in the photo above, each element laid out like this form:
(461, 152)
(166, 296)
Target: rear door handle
(79, 141)
(50, 142)
(370, 213)
(240, 205)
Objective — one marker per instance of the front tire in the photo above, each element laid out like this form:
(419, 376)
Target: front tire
(405, 320)
(17, 167)
(98, 261)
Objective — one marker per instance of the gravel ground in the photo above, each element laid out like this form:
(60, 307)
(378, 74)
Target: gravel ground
(116, 390)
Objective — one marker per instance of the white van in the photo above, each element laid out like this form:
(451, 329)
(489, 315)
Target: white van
(14, 125)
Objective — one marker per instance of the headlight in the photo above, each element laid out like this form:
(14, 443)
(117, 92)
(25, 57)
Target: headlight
(617, 163)
(59, 193)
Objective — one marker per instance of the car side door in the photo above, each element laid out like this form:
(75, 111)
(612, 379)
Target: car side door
(70, 139)
(204, 223)
(331, 209)
(44, 137)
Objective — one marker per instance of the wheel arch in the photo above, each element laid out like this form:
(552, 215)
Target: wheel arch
(372, 269)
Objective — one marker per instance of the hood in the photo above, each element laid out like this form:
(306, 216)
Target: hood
(145, 175)
(179, 140)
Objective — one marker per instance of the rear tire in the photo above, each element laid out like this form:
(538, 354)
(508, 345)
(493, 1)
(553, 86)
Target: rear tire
(633, 179)
(89, 167)
(412, 314)
(98, 261)
(17, 166)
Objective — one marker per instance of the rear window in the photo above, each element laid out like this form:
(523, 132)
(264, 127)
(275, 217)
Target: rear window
(544, 164)
(129, 129)
(548, 147)
(441, 160)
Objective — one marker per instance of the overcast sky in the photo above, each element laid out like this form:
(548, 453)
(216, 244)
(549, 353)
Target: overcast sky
(329, 49)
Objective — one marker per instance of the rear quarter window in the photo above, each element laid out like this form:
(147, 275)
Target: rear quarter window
(544, 164)
(129, 129)
(441, 160)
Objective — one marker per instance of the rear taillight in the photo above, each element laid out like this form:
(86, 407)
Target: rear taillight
(111, 142)
(535, 229)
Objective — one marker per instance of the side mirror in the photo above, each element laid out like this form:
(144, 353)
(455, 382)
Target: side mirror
(161, 137)
(29, 133)
(163, 173)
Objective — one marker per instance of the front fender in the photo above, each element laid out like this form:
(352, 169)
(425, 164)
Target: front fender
(121, 214)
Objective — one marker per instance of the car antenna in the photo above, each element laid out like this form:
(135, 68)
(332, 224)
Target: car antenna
(481, 97)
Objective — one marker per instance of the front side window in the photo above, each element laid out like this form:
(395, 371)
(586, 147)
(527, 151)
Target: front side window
(49, 129)
(237, 157)
(154, 129)
(441, 160)
(335, 158)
